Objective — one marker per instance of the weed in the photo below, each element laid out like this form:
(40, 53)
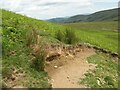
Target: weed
(60, 35)
(70, 36)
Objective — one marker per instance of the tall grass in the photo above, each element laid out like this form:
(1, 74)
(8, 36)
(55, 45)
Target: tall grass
(68, 36)
(34, 42)
(59, 35)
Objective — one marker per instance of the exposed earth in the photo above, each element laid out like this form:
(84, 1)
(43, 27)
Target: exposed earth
(69, 66)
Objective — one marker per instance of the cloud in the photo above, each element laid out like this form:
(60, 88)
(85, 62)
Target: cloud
(44, 9)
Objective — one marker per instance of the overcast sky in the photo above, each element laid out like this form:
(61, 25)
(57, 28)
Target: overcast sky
(46, 9)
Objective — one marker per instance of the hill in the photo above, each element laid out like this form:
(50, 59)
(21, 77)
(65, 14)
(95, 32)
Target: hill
(57, 20)
(106, 15)
(19, 60)
(24, 40)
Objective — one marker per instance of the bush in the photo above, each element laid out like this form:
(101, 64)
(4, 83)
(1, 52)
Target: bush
(38, 62)
(69, 37)
(60, 36)
(35, 44)
(31, 37)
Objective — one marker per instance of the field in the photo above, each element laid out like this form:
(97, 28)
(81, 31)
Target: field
(23, 67)
(101, 34)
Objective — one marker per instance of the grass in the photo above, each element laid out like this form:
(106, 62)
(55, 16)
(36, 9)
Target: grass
(17, 54)
(105, 75)
(101, 34)
(68, 36)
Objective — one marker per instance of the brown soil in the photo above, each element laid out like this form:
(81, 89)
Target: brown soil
(66, 71)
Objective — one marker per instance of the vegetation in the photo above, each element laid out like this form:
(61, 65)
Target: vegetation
(105, 75)
(101, 34)
(19, 34)
(23, 52)
(68, 36)
(60, 36)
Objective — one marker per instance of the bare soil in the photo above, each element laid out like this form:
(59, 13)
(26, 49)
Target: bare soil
(66, 70)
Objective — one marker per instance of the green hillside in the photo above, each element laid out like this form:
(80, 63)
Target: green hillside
(20, 33)
(106, 15)
(16, 35)
(102, 34)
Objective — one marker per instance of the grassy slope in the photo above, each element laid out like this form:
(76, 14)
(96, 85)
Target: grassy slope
(15, 52)
(102, 34)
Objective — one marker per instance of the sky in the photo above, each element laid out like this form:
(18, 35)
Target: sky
(46, 9)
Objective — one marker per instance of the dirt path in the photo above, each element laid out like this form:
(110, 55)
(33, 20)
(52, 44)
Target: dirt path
(66, 72)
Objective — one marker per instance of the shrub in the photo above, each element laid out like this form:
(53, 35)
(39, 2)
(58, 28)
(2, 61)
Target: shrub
(31, 37)
(60, 35)
(68, 37)
(35, 44)
(38, 62)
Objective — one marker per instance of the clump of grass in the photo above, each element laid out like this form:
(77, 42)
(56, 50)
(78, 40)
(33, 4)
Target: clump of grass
(35, 44)
(60, 35)
(68, 36)
(39, 60)
(31, 37)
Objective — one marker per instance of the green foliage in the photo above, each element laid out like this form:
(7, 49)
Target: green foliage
(17, 33)
(33, 41)
(31, 37)
(70, 36)
(105, 75)
(7, 72)
(102, 34)
(39, 61)
(60, 35)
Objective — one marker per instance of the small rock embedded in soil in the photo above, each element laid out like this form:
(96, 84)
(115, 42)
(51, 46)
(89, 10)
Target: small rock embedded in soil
(55, 66)
(68, 77)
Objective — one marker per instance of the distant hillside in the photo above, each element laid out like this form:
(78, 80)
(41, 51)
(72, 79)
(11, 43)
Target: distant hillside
(106, 15)
(57, 20)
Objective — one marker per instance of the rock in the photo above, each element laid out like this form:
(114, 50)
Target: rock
(55, 66)
(68, 77)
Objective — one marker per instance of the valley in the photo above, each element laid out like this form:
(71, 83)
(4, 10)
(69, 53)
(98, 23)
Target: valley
(41, 54)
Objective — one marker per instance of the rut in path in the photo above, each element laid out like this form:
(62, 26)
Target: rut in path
(65, 72)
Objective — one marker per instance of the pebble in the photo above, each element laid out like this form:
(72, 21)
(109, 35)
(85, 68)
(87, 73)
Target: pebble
(55, 66)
